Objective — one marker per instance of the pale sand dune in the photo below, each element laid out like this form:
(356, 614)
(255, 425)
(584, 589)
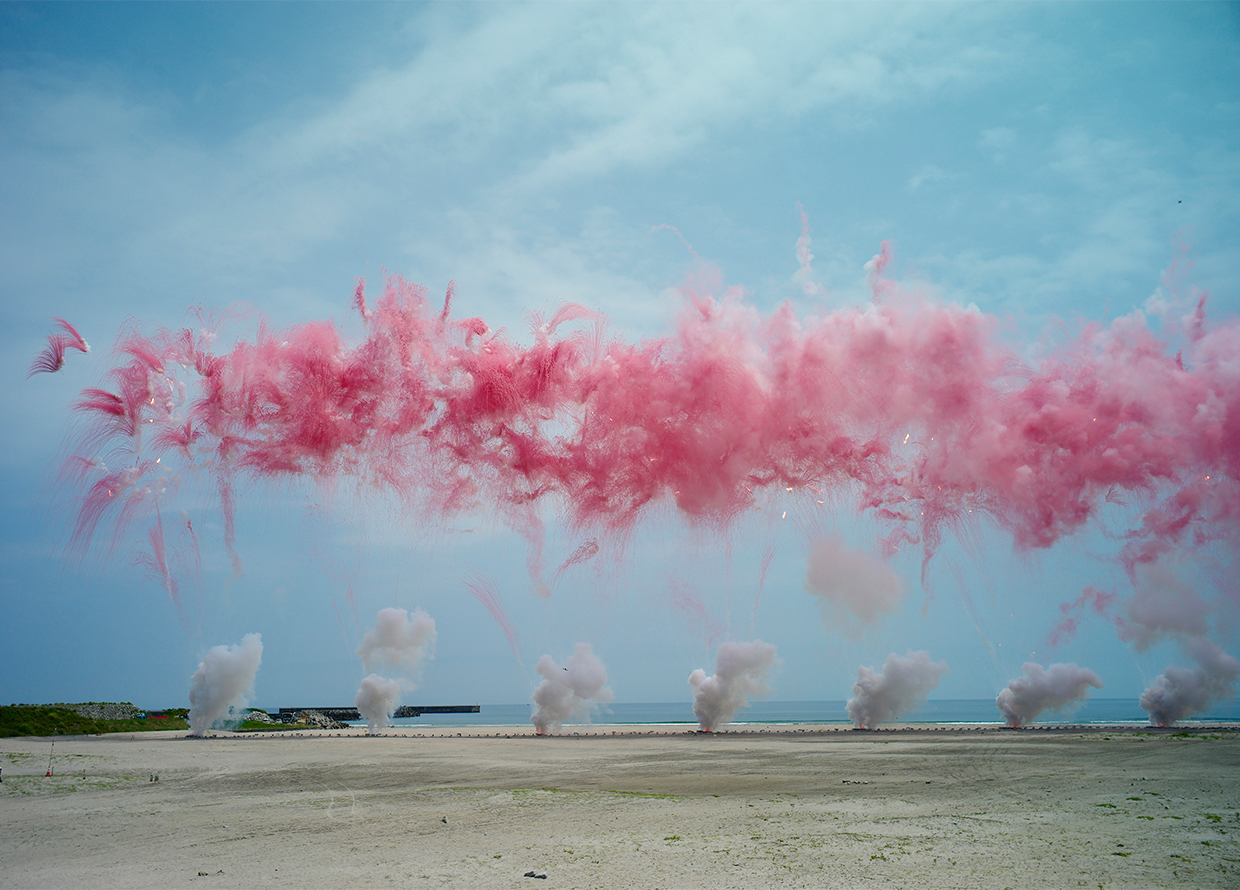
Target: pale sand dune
(836, 808)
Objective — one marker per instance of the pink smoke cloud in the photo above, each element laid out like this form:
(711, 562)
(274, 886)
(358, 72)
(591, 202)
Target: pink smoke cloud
(919, 413)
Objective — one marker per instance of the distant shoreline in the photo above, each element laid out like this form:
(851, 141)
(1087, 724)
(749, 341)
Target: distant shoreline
(632, 731)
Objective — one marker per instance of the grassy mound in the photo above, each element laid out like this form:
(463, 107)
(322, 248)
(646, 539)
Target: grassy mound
(41, 720)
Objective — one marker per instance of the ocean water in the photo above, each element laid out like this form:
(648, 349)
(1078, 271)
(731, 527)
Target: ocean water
(935, 712)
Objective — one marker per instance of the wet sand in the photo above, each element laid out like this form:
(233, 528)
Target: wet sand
(627, 807)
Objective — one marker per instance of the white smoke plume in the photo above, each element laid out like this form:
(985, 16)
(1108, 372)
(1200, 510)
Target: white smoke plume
(900, 686)
(1165, 605)
(1178, 692)
(1162, 605)
(741, 670)
(569, 691)
(377, 700)
(1040, 689)
(861, 583)
(223, 682)
(399, 640)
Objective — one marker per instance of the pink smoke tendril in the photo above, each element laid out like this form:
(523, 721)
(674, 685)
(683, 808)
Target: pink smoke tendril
(487, 593)
(583, 554)
(917, 410)
(52, 358)
(1100, 601)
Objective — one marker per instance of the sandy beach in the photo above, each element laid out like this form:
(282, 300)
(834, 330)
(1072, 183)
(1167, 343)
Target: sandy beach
(613, 806)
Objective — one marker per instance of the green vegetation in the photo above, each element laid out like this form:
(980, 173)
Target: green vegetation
(23, 720)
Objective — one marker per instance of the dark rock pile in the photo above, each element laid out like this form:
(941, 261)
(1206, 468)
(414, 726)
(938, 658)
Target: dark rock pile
(321, 720)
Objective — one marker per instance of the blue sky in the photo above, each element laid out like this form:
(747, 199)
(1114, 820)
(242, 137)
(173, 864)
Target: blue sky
(1039, 161)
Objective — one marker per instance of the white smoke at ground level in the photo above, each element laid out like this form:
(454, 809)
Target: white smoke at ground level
(377, 700)
(569, 691)
(741, 670)
(902, 684)
(1166, 605)
(1041, 689)
(1178, 693)
(223, 683)
(399, 642)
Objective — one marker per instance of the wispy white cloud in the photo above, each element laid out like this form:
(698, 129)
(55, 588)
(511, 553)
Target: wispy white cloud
(1101, 213)
(928, 173)
(687, 75)
(486, 120)
(998, 142)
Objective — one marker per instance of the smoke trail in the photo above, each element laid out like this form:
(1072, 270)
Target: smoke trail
(1042, 689)
(958, 573)
(768, 556)
(377, 700)
(687, 599)
(900, 686)
(484, 590)
(1178, 692)
(741, 670)
(860, 583)
(569, 691)
(583, 554)
(400, 641)
(223, 682)
(156, 563)
(805, 261)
